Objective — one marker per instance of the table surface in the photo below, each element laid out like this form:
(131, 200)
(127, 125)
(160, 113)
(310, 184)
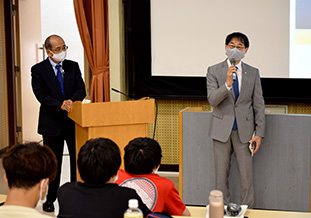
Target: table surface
(200, 212)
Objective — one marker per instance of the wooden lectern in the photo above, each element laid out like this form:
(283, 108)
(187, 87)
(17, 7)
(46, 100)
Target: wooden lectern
(119, 121)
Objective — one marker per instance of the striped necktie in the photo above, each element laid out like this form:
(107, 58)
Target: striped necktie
(236, 94)
(60, 78)
(236, 87)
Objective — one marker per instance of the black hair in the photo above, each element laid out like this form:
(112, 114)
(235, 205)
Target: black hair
(98, 160)
(27, 164)
(240, 36)
(142, 155)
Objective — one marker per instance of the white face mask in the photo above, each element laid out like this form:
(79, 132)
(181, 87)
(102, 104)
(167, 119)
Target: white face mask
(156, 170)
(60, 56)
(115, 178)
(235, 54)
(42, 197)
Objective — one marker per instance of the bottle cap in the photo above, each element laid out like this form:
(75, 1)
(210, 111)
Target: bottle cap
(133, 203)
(216, 196)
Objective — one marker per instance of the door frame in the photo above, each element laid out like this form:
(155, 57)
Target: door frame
(10, 27)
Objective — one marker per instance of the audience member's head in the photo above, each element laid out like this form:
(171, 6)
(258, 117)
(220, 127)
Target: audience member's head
(142, 156)
(98, 161)
(28, 166)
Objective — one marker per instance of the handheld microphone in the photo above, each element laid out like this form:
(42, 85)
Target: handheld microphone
(233, 61)
(115, 90)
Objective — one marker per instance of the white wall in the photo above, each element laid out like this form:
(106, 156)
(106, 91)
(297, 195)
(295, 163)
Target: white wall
(58, 18)
(30, 39)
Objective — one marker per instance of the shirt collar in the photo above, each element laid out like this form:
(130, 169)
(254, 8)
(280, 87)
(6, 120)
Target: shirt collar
(54, 64)
(239, 65)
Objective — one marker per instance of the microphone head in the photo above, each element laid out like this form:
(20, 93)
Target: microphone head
(233, 61)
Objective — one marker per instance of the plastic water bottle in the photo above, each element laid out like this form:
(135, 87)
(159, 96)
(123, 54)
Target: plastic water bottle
(133, 211)
(216, 204)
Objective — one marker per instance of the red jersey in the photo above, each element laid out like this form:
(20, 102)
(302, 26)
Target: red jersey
(158, 193)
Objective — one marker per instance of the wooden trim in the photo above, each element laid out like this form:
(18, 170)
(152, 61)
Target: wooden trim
(10, 61)
(113, 113)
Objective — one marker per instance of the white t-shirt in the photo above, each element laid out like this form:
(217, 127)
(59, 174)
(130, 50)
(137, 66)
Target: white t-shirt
(10, 211)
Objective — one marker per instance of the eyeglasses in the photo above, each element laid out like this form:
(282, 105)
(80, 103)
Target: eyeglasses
(58, 49)
(238, 47)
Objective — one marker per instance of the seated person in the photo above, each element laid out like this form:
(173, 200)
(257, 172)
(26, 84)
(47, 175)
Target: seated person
(28, 170)
(98, 163)
(142, 158)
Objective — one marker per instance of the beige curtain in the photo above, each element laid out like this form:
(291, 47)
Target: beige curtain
(92, 20)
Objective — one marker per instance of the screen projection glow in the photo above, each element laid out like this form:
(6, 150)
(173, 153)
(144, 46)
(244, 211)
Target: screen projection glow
(188, 36)
(300, 39)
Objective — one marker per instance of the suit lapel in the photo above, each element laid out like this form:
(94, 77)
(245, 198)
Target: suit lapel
(245, 80)
(51, 78)
(67, 75)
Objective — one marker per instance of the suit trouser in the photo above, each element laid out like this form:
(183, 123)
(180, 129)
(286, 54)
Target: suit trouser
(57, 145)
(222, 156)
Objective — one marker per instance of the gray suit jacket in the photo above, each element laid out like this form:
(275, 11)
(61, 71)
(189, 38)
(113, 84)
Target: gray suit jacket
(249, 109)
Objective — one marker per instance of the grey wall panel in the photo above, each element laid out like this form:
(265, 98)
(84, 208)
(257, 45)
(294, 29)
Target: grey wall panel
(281, 166)
(198, 159)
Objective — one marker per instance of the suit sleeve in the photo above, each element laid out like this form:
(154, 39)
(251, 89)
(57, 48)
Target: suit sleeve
(79, 87)
(259, 108)
(216, 92)
(41, 92)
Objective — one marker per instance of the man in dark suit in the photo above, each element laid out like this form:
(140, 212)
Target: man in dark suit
(238, 115)
(57, 83)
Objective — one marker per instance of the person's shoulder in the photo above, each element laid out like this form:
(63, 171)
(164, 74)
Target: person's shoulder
(125, 191)
(14, 211)
(122, 175)
(70, 65)
(69, 62)
(166, 181)
(39, 65)
(159, 180)
(220, 64)
(248, 67)
(37, 214)
(40, 215)
(67, 186)
(122, 172)
(214, 68)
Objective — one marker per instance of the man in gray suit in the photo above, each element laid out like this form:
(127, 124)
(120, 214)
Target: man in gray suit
(234, 90)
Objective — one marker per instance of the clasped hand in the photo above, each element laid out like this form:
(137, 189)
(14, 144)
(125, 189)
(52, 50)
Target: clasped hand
(66, 106)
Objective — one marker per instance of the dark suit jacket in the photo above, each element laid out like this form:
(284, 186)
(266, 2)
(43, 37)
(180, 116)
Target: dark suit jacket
(46, 89)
